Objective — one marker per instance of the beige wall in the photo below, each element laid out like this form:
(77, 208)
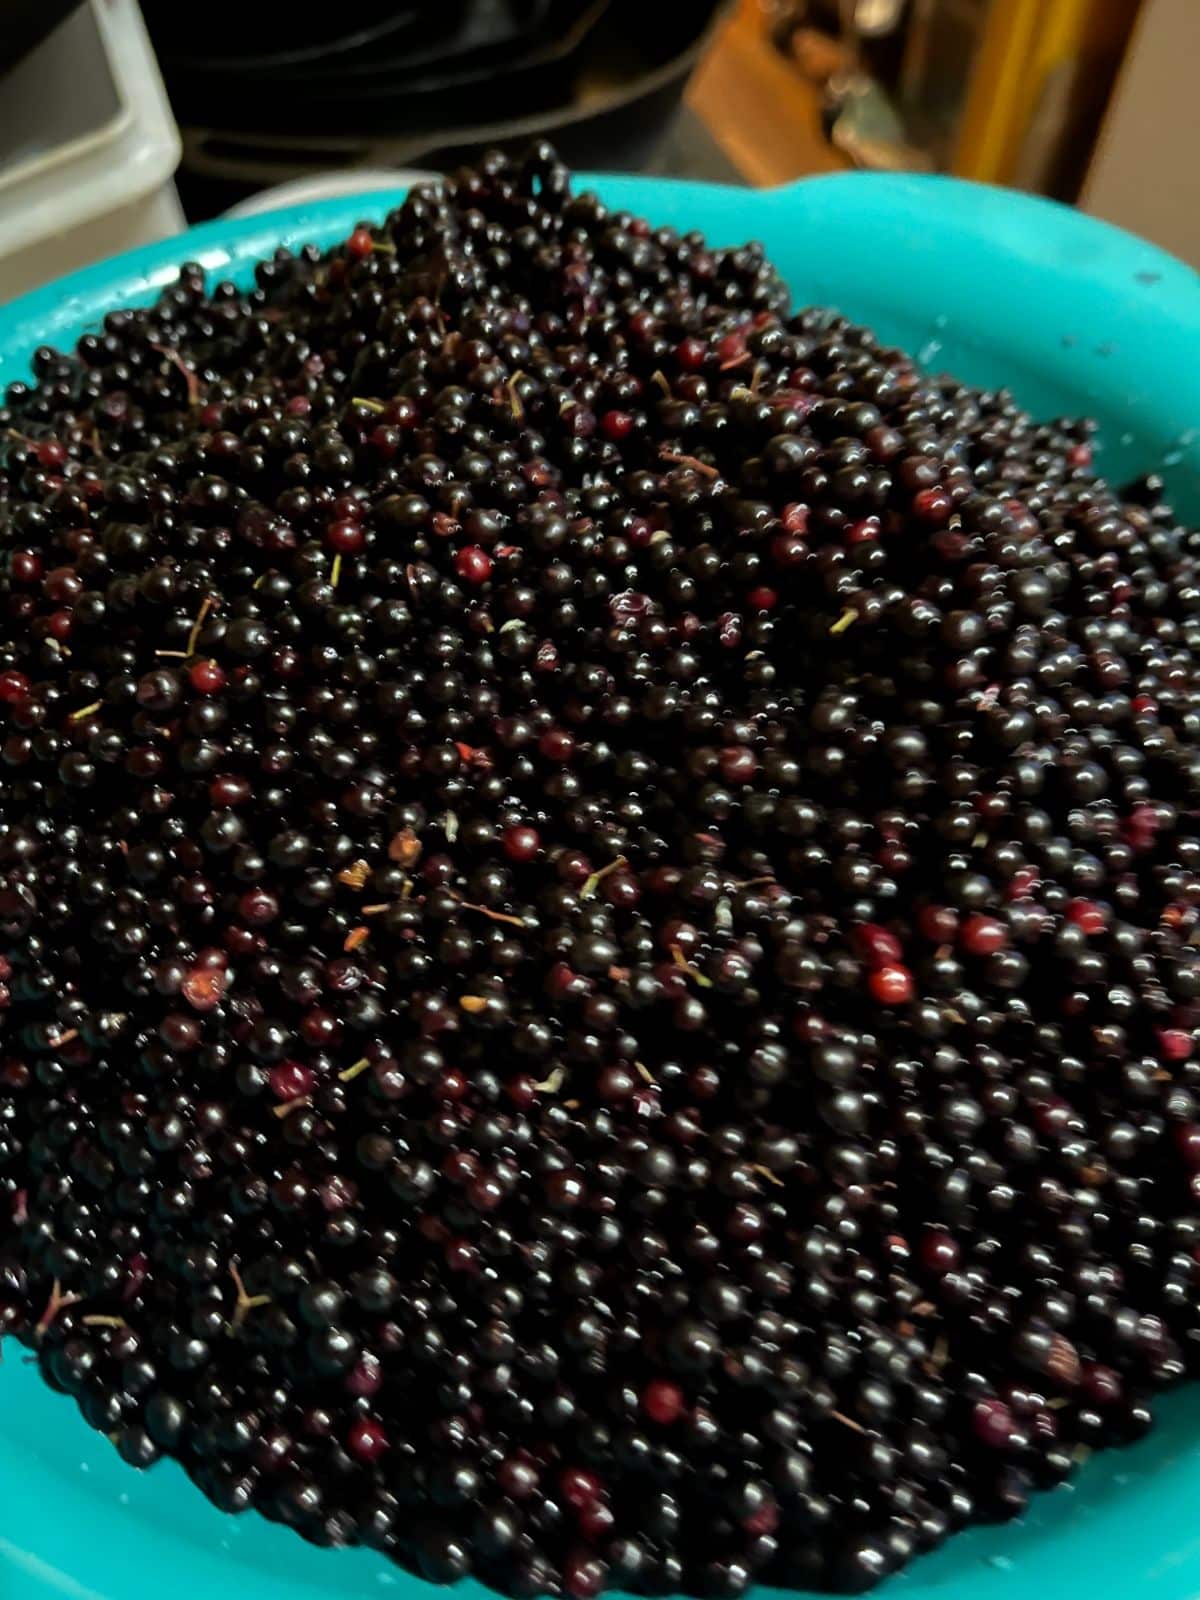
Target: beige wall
(1145, 174)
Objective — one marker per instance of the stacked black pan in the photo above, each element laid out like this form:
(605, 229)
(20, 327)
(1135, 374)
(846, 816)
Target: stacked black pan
(422, 83)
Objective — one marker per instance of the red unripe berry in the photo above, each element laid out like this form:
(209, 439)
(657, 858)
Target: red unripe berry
(367, 1440)
(521, 843)
(616, 425)
(877, 946)
(662, 1401)
(345, 537)
(1089, 916)
(207, 677)
(891, 985)
(473, 564)
(291, 1080)
(983, 936)
(14, 686)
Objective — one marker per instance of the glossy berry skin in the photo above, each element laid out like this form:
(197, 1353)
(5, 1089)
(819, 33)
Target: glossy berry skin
(616, 425)
(599, 976)
(367, 1441)
(473, 565)
(345, 537)
(891, 985)
(14, 686)
(207, 677)
(879, 947)
(521, 843)
(982, 936)
(993, 1424)
(939, 1253)
(1088, 916)
(291, 1080)
(662, 1402)
(1175, 1043)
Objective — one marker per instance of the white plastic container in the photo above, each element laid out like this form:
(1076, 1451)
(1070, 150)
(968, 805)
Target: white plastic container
(88, 148)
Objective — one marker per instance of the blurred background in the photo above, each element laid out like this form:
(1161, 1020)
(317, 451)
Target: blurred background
(120, 123)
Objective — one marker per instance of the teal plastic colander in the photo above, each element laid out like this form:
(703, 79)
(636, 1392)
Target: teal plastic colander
(1073, 316)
